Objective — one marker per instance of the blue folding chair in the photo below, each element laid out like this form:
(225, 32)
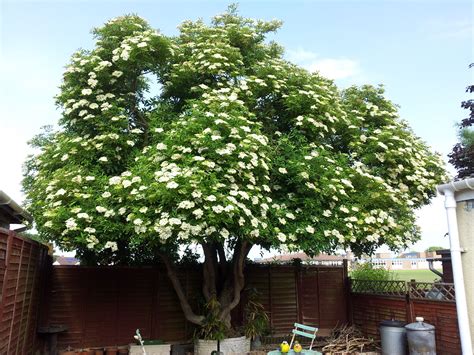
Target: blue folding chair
(307, 332)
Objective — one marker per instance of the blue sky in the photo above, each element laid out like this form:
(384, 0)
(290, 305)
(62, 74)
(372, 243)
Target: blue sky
(419, 50)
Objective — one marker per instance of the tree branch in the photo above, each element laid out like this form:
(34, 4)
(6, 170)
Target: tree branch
(240, 254)
(209, 272)
(188, 312)
(222, 258)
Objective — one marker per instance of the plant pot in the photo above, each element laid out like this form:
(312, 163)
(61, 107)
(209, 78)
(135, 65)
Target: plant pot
(123, 350)
(158, 349)
(87, 352)
(240, 345)
(99, 351)
(256, 343)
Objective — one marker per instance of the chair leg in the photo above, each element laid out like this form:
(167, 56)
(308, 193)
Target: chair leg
(292, 339)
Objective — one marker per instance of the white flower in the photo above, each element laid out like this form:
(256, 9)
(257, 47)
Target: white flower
(117, 74)
(161, 146)
(101, 209)
(218, 208)
(344, 209)
(90, 178)
(309, 229)
(122, 210)
(131, 143)
(71, 223)
(198, 213)
(172, 185)
(48, 224)
(86, 91)
(103, 159)
(106, 194)
(60, 192)
(281, 237)
(111, 245)
(290, 215)
(92, 241)
(211, 198)
(186, 204)
(282, 170)
(225, 233)
(126, 183)
(83, 215)
(141, 44)
(175, 221)
(138, 222)
(327, 213)
(115, 180)
(89, 230)
(64, 157)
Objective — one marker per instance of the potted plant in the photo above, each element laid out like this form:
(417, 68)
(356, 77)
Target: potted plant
(214, 334)
(256, 319)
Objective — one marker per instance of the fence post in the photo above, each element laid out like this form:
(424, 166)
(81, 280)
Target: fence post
(347, 290)
(409, 302)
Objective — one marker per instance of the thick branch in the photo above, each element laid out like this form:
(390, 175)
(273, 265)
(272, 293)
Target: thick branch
(209, 272)
(222, 259)
(188, 312)
(240, 255)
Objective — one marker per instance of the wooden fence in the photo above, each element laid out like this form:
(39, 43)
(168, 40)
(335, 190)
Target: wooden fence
(23, 263)
(105, 305)
(374, 301)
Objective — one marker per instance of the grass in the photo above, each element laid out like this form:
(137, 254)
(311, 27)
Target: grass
(418, 275)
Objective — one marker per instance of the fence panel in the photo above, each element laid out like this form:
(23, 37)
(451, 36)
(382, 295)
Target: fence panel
(375, 301)
(105, 305)
(22, 270)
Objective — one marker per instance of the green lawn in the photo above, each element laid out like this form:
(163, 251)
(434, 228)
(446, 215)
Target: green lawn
(418, 275)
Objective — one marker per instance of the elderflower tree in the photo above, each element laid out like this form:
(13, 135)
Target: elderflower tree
(240, 148)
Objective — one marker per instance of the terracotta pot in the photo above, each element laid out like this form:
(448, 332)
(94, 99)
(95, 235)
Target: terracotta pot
(123, 351)
(67, 352)
(99, 351)
(111, 350)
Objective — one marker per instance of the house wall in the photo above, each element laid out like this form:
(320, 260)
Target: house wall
(465, 217)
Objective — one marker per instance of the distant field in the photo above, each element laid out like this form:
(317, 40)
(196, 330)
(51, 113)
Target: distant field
(418, 275)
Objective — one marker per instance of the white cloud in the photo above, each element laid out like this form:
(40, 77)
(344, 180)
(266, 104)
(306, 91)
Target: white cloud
(332, 68)
(335, 68)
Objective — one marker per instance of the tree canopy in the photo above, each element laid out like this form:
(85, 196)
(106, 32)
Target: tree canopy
(238, 147)
(462, 155)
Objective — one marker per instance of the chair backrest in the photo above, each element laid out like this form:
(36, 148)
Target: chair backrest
(306, 331)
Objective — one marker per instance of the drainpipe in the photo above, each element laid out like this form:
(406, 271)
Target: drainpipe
(432, 268)
(448, 191)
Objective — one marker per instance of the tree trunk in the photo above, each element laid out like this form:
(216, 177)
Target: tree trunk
(222, 279)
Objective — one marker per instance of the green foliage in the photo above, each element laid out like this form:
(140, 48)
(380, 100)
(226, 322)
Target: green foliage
(434, 248)
(239, 144)
(367, 271)
(462, 155)
(256, 319)
(466, 137)
(213, 328)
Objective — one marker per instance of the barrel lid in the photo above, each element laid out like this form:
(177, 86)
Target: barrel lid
(392, 323)
(419, 325)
